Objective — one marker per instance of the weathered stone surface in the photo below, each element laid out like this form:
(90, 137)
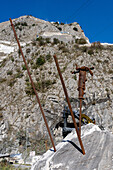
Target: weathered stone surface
(98, 147)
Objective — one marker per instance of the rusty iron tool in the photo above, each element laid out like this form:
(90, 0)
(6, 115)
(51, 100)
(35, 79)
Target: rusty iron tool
(81, 86)
(69, 105)
(33, 86)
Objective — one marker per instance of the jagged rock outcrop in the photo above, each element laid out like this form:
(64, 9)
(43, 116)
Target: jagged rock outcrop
(29, 27)
(98, 148)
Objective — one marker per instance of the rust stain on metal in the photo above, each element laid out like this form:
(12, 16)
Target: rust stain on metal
(33, 86)
(69, 105)
(81, 86)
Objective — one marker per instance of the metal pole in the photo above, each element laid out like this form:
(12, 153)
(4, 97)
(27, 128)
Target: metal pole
(80, 113)
(33, 86)
(69, 105)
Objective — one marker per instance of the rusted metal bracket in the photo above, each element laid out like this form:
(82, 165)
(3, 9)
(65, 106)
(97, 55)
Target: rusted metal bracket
(69, 105)
(81, 86)
(33, 86)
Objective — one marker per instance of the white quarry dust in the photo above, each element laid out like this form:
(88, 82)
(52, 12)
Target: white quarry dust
(7, 47)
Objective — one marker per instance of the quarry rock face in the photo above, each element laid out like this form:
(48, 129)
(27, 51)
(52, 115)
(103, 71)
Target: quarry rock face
(20, 116)
(98, 147)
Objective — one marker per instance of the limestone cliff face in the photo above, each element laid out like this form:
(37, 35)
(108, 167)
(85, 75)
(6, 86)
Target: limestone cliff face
(19, 111)
(28, 27)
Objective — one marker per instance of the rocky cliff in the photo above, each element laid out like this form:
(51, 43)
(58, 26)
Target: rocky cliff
(20, 116)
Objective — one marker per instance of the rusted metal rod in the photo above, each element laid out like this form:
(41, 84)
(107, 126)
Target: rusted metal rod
(80, 114)
(33, 86)
(69, 105)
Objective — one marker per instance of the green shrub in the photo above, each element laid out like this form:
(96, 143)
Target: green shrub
(84, 49)
(24, 67)
(49, 72)
(75, 77)
(39, 38)
(33, 25)
(37, 79)
(37, 53)
(18, 75)
(19, 28)
(9, 72)
(29, 90)
(48, 40)
(18, 70)
(56, 23)
(2, 80)
(90, 52)
(28, 50)
(47, 83)
(31, 62)
(24, 24)
(34, 66)
(1, 116)
(34, 43)
(61, 42)
(40, 61)
(16, 24)
(3, 62)
(54, 81)
(19, 51)
(12, 58)
(11, 82)
(48, 57)
(40, 86)
(80, 41)
(55, 41)
(64, 68)
(110, 71)
(63, 48)
(27, 79)
(41, 41)
(99, 61)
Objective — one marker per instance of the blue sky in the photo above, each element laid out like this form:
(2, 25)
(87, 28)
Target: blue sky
(94, 16)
